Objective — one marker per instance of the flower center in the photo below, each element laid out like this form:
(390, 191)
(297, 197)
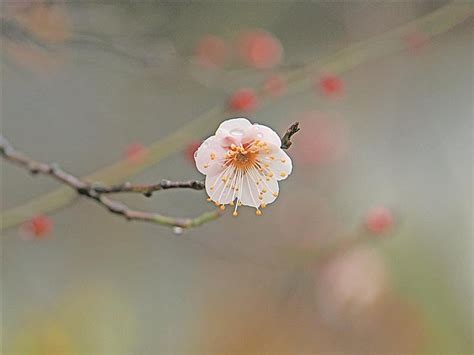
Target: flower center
(242, 157)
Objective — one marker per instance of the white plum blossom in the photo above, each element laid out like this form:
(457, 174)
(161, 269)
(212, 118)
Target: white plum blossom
(243, 163)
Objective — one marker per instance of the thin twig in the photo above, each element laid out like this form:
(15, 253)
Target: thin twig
(96, 193)
(148, 190)
(286, 139)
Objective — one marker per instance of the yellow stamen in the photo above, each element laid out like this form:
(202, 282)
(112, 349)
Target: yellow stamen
(282, 174)
(258, 212)
(235, 213)
(213, 156)
(222, 207)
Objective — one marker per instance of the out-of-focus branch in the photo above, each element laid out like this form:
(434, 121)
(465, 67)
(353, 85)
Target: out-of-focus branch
(439, 21)
(96, 193)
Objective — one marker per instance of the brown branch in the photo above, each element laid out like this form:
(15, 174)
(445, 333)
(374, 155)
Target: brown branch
(96, 191)
(148, 190)
(286, 139)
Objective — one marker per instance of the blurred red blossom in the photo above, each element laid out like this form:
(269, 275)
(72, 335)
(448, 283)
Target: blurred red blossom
(243, 100)
(379, 220)
(415, 41)
(331, 85)
(212, 51)
(323, 139)
(191, 149)
(259, 49)
(135, 152)
(274, 85)
(38, 227)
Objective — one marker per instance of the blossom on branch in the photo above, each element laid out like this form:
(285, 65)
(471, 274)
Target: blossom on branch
(243, 163)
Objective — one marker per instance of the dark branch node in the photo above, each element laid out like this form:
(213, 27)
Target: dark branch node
(286, 139)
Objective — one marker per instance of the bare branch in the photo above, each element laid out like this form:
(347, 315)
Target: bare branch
(95, 193)
(148, 190)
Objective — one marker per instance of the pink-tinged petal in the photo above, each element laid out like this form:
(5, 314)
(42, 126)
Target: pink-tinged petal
(229, 126)
(209, 156)
(233, 131)
(267, 135)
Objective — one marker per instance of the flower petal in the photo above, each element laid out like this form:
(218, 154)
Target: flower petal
(267, 135)
(249, 192)
(209, 156)
(218, 187)
(267, 187)
(233, 130)
(279, 163)
(253, 194)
